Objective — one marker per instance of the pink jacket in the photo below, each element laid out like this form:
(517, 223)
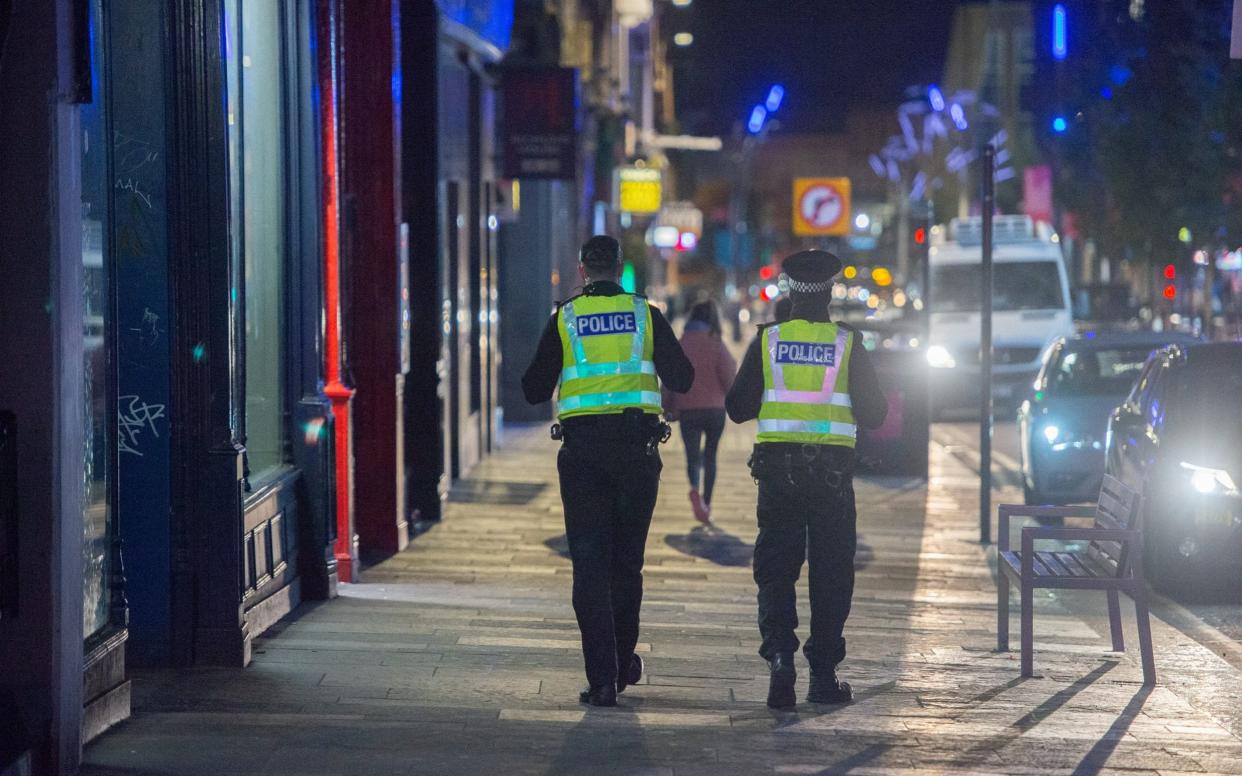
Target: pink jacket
(714, 370)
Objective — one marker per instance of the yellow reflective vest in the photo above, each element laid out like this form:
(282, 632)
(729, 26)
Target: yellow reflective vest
(606, 356)
(806, 396)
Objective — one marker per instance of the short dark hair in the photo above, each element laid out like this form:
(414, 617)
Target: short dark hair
(600, 253)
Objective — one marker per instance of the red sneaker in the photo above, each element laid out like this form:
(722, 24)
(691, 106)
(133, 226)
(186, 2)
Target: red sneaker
(701, 512)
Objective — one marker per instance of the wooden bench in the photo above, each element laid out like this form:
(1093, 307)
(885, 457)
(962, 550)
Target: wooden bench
(1113, 562)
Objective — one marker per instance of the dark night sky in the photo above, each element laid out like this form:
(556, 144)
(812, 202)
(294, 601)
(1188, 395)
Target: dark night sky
(829, 54)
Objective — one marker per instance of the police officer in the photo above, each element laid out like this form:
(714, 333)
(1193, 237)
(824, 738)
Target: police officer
(605, 349)
(810, 384)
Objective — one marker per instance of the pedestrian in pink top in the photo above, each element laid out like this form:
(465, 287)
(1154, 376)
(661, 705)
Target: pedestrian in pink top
(700, 411)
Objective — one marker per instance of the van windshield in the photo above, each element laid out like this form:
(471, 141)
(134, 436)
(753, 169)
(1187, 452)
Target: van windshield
(1016, 285)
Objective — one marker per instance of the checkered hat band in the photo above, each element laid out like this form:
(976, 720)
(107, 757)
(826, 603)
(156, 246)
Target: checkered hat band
(808, 288)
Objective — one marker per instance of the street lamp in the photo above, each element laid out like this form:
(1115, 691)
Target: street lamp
(683, 39)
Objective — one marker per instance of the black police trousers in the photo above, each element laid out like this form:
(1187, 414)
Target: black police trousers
(805, 514)
(609, 492)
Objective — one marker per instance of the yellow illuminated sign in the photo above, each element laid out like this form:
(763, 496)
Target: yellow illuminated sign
(639, 190)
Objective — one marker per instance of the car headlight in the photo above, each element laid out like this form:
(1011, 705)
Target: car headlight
(939, 357)
(1051, 432)
(1208, 480)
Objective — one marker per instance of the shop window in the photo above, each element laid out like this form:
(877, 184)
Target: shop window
(256, 121)
(97, 525)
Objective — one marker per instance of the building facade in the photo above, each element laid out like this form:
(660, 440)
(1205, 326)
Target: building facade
(177, 260)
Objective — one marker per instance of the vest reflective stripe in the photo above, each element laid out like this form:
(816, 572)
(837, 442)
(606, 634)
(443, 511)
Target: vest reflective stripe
(626, 375)
(601, 370)
(621, 398)
(807, 427)
(806, 396)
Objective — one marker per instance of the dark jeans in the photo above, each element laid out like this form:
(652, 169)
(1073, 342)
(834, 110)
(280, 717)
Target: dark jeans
(609, 492)
(804, 517)
(697, 425)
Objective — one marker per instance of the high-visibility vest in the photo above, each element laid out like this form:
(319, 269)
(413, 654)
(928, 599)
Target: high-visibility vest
(806, 396)
(606, 356)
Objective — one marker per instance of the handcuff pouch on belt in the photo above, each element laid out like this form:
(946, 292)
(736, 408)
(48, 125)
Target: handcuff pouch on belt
(806, 460)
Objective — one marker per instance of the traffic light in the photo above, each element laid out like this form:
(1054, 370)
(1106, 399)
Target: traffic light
(920, 236)
(766, 272)
(1170, 291)
(1170, 272)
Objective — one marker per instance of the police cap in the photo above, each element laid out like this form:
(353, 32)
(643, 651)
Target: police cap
(810, 272)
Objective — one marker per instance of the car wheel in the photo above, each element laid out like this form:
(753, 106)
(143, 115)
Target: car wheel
(1170, 572)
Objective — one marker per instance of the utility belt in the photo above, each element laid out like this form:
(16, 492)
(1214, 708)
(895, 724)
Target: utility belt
(631, 427)
(833, 464)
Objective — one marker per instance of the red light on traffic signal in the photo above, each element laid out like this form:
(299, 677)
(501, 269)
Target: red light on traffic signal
(920, 236)
(1170, 271)
(1169, 292)
(766, 271)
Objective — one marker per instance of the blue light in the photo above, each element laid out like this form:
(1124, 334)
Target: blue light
(1059, 124)
(757, 117)
(1119, 74)
(1060, 43)
(936, 98)
(775, 95)
(1106, 93)
(959, 117)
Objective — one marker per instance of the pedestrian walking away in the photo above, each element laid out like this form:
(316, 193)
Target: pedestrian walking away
(810, 384)
(605, 353)
(700, 412)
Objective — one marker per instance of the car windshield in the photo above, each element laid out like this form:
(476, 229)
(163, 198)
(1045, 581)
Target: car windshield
(1016, 285)
(1097, 372)
(1207, 405)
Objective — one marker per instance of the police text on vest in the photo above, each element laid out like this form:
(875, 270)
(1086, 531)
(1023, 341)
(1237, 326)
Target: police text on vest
(807, 353)
(606, 323)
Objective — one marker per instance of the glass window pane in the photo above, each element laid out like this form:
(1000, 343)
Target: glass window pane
(262, 194)
(96, 526)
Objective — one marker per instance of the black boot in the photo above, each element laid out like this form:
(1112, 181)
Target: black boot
(781, 692)
(632, 674)
(604, 695)
(826, 688)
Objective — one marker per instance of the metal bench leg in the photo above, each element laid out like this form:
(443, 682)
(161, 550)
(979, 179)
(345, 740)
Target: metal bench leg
(1144, 631)
(1028, 622)
(1114, 621)
(1002, 611)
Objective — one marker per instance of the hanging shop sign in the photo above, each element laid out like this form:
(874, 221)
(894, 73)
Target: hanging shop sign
(540, 126)
(639, 189)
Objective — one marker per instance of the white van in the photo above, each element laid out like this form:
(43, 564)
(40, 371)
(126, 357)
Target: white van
(1030, 308)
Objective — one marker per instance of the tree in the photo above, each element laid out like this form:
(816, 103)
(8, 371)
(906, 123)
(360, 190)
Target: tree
(1154, 145)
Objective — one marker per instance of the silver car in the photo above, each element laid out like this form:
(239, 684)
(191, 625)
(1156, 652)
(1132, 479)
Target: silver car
(1063, 422)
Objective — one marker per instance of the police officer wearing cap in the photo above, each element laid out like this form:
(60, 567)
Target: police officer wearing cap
(809, 383)
(605, 349)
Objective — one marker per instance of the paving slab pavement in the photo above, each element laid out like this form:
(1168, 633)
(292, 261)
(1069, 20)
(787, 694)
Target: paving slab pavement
(460, 656)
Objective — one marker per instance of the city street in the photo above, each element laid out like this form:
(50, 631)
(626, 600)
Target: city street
(460, 656)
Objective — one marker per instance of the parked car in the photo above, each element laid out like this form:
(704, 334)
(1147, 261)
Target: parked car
(1178, 438)
(1062, 423)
